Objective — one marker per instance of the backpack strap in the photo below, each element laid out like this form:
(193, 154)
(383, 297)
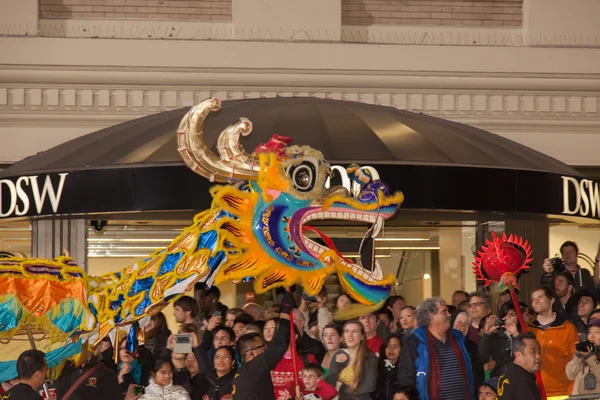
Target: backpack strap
(81, 379)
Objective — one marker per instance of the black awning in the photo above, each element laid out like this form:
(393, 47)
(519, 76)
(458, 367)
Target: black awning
(344, 131)
(438, 164)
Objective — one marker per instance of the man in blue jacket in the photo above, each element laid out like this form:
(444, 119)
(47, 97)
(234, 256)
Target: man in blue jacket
(434, 359)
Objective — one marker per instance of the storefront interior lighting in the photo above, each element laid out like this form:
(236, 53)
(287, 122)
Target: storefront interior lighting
(400, 239)
(408, 248)
(358, 255)
(142, 256)
(137, 240)
(426, 276)
(109, 247)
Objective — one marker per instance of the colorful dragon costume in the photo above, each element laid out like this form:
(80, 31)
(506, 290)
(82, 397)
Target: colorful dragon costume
(256, 228)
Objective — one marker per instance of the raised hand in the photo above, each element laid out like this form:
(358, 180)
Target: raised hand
(213, 322)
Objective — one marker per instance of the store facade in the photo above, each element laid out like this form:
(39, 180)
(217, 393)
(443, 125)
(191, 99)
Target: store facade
(127, 188)
(519, 69)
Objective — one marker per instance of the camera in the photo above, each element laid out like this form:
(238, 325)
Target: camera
(183, 343)
(585, 346)
(98, 224)
(305, 297)
(499, 322)
(557, 263)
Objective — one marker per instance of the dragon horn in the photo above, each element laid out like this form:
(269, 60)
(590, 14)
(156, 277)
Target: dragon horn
(233, 162)
(231, 150)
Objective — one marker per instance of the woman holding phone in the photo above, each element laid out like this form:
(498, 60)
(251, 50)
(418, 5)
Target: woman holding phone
(355, 367)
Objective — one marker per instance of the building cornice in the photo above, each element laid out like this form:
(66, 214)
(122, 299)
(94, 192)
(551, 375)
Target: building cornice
(34, 75)
(305, 56)
(223, 31)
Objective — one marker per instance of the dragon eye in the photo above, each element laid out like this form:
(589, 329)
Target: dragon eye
(303, 176)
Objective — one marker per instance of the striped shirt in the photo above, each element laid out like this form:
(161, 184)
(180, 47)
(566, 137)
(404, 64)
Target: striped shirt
(452, 381)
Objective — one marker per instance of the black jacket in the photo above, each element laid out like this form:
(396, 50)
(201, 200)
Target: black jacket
(582, 278)
(476, 363)
(517, 384)
(312, 346)
(568, 309)
(22, 391)
(158, 341)
(387, 380)
(182, 376)
(580, 325)
(215, 387)
(100, 385)
(496, 346)
(253, 380)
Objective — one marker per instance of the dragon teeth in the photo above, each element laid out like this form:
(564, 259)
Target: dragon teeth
(378, 227)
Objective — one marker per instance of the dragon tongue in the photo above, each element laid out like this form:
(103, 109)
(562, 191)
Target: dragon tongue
(328, 242)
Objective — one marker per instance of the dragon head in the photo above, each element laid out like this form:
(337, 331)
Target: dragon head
(275, 193)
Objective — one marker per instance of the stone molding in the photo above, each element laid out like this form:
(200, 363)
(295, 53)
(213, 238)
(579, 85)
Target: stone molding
(103, 105)
(381, 34)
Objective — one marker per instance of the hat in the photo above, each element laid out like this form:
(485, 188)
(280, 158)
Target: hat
(595, 322)
(492, 383)
(586, 293)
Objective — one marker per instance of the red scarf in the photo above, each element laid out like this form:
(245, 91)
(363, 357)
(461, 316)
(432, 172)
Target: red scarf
(434, 366)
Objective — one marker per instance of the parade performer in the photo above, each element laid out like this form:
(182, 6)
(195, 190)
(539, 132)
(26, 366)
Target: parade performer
(503, 260)
(257, 227)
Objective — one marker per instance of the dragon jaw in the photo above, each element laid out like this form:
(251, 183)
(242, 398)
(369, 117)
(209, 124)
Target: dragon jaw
(341, 212)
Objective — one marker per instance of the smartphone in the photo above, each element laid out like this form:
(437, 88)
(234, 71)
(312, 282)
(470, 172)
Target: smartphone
(138, 389)
(308, 298)
(217, 314)
(183, 343)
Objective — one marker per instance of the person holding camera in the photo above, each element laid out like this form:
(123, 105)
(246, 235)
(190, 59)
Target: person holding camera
(584, 368)
(569, 252)
(498, 336)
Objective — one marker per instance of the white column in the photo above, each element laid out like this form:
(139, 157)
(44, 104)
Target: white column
(51, 237)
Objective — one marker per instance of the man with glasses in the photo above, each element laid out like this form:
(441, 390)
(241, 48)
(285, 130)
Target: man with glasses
(253, 380)
(216, 336)
(480, 307)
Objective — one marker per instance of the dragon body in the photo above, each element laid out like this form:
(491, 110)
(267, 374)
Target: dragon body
(258, 227)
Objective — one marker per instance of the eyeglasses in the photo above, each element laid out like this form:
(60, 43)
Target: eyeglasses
(255, 348)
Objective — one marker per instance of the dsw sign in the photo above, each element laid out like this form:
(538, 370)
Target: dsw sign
(581, 197)
(16, 198)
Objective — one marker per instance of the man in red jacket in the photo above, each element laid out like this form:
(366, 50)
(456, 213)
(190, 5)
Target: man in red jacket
(374, 341)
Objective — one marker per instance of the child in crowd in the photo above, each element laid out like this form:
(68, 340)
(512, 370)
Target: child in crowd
(311, 385)
(406, 393)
